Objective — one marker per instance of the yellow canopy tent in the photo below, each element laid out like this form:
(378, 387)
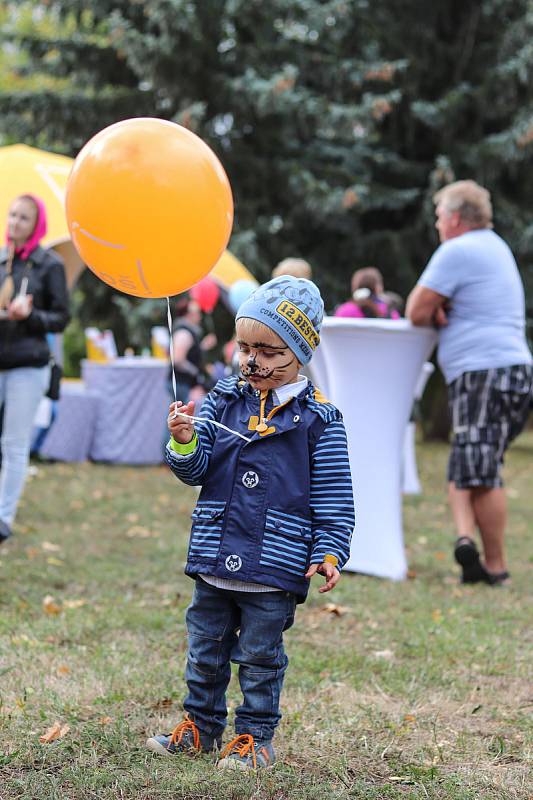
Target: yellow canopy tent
(26, 169)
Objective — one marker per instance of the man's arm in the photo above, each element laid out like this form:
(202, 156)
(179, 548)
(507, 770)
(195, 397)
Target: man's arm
(426, 307)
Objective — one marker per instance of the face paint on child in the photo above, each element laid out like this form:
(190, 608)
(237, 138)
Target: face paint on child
(265, 361)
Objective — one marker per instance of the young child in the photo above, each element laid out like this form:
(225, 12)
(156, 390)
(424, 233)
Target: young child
(272, 512)
(368, 297)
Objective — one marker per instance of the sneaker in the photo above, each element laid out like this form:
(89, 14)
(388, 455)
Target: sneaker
(245, 753)
(5, 531)
(185, 738)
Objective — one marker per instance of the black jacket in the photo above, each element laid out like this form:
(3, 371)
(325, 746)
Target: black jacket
(23, 342)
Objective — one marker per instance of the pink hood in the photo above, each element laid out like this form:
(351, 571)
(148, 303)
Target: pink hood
(39, 232)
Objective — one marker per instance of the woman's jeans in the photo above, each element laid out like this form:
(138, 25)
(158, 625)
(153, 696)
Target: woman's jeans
(21, 390)
(213, 619)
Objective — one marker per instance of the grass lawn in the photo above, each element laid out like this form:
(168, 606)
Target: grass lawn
(416, 690)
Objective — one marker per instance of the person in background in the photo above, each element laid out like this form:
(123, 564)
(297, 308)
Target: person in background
(472, 292)
(368, 298)
(33, 302)
(273, 511)
(297, 267)
(189, 347)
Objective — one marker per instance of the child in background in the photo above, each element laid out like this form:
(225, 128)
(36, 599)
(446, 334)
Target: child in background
(297, 267)
(272, 512)
(367, 297)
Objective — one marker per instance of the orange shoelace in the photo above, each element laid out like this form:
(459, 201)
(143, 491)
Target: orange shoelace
(180, 730)
(243, 745)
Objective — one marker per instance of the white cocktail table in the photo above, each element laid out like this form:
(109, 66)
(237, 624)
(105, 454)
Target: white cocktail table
(369, 369)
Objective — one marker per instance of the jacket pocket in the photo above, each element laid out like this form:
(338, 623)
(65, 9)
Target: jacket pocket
(286, 542)
(206, 531)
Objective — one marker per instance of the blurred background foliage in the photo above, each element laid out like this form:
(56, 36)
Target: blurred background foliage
(336, 120)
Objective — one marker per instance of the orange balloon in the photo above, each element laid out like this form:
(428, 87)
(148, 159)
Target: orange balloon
(149, 207)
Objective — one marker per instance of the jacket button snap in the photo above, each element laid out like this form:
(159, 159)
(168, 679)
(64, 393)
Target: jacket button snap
(296, 418)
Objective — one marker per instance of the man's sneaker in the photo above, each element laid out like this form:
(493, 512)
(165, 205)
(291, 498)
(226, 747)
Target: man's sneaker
(5, 531)
(185, 738)
(245, 753)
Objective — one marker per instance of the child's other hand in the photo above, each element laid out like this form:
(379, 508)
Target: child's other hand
(330, 573)
(181, 429)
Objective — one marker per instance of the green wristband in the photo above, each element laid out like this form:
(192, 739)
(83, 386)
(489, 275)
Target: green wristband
(184, 449)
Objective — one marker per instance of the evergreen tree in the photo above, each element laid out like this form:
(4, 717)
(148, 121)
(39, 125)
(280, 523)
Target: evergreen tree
(335, 120)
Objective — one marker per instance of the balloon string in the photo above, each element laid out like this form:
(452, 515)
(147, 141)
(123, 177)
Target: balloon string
(171, 348)
(175, 390)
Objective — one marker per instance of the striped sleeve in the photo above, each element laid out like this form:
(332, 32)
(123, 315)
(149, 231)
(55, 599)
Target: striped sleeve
(332, 503)
(192, 468)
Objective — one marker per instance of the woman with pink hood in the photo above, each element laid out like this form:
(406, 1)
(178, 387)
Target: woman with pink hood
(33, 302)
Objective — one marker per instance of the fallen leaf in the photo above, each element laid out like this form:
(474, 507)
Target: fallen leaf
(105, 720)
(388, 654)
(50, 605)
(440, 556)
(411, 574)
(333, 608)
(63, 669)
(74, 603)
(409, 718)
(132, 517)
(56, 731)
(436, 615)
(55, 562)
(422, 540)
(32, 552)
(97, 494)
(165, 702)
(50, 547)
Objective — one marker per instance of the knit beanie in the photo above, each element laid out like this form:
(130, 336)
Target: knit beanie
(292, 308)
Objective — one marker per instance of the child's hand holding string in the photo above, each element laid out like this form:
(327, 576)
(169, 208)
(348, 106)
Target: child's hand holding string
(181, 428)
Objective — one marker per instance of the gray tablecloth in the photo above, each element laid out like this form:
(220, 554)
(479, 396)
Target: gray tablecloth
(70, 435)
(130, 426)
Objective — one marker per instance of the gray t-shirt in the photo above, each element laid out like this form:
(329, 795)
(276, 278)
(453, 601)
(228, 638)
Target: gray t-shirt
(486, 320)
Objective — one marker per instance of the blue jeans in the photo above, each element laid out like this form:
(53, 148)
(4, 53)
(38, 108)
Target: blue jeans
(21, 390)
(213, 619)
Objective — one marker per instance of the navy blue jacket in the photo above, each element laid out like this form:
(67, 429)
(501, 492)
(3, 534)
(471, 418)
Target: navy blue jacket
(271, 507)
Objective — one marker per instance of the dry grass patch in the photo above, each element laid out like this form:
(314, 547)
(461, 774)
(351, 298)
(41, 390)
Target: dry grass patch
(418, 689)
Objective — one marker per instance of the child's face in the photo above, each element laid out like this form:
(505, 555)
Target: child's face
(265, 360)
